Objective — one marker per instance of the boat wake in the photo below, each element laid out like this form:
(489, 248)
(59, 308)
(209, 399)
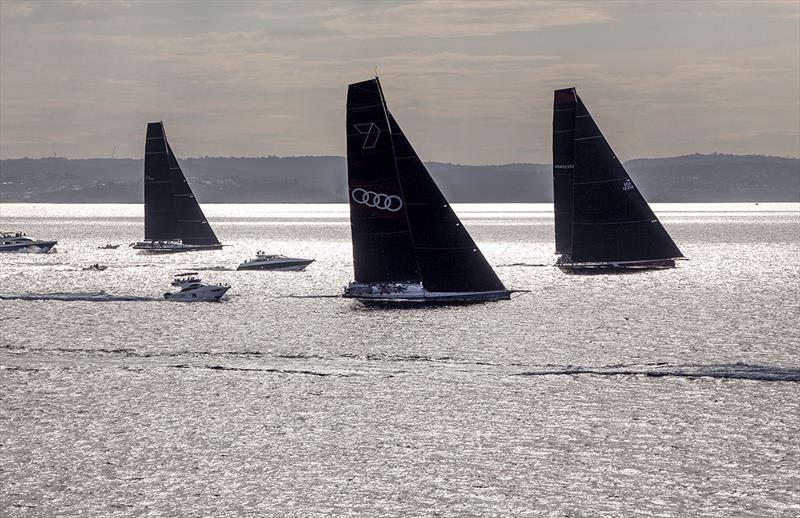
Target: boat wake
(528, 265)
(90, 296)
(310, 297)
(33, 250)
(417, 358)
(250, 369)
(731, 371)
(341, 365)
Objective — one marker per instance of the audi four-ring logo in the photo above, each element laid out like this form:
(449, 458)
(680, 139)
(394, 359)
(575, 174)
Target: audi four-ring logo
(377, 200)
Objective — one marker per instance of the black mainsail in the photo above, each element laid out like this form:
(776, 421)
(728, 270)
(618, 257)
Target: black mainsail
(600, 216)
(403, 228)
(160, 220)
(171, 209)
(382, 246)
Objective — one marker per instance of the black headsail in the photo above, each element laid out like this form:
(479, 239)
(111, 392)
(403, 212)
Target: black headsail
(192, 223)
(171, 211)
(435, 245)
(600, 214)
(160, 221)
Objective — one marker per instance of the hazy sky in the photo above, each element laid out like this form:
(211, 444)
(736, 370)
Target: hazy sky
(469, 82)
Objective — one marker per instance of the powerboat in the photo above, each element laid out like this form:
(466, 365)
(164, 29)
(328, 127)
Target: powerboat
(193, 289)
(415, 294)
(95, 267)
(275, 262)
(108, 247)
(21, 242)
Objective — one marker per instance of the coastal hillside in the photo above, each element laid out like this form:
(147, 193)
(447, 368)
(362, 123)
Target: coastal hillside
(322, 179)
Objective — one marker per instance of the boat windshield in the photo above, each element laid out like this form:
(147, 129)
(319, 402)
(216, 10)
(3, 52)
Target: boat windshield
(260, 256)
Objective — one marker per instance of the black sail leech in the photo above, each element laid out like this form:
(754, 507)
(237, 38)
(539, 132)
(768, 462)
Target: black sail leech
(160, 222)
(171, 211)
(422, 241)
(192, 223)
(609, 219)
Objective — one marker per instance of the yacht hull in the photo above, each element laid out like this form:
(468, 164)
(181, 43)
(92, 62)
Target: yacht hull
(172, 248)
(615, 267)
(33, 247)
(428, 298)
(287, 265)
(210, 293)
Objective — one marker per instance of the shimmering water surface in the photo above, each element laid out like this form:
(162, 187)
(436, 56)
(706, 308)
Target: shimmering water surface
(661, 393)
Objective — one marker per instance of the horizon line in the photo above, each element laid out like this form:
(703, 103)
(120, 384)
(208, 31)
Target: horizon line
(231, 157)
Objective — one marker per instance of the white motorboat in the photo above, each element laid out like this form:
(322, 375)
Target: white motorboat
(275, 262)
(97, 267)
(193, 289)
(20, 242)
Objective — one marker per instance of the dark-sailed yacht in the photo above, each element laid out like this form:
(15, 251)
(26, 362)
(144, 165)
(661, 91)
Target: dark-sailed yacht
(173, 220)
(408, 244)
(602, 222)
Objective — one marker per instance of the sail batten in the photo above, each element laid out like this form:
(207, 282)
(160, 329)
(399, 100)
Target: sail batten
(646, 220)
(592, 182)
(600, 216)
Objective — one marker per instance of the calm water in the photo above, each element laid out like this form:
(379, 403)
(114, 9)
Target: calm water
(662, 393)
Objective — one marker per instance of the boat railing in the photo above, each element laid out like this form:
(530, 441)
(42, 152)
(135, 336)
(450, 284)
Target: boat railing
(382, 288)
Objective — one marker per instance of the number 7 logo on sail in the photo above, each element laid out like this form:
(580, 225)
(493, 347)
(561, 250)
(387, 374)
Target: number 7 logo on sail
(372, 132)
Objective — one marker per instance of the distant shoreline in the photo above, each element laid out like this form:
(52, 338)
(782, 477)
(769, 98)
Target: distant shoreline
(323, 179)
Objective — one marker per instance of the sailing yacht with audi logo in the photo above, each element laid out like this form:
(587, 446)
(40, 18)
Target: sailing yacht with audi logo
(409, 247)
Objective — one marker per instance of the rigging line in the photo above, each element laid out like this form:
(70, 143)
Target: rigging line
(356, 108)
